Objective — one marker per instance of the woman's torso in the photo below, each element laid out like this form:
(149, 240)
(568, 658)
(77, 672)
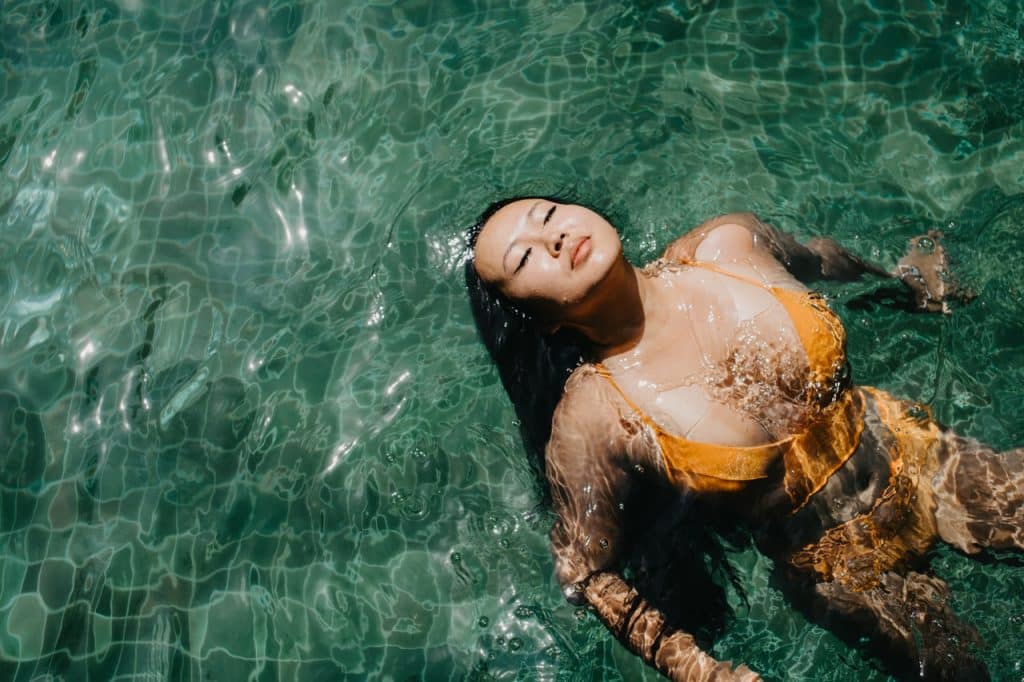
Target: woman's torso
(757, 436)
(721, 360)
(738, 394)
(738, 375)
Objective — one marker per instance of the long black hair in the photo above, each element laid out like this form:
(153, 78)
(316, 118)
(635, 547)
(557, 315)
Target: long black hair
(533, 365)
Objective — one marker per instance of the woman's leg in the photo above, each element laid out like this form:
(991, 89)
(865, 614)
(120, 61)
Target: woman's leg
(856, 577)
(979, 495)
(907, 621)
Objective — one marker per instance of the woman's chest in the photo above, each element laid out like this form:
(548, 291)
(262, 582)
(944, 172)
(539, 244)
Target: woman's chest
(723, 364)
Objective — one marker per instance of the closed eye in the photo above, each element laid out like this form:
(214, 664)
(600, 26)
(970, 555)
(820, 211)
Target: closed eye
(551, 212)
(523, 261)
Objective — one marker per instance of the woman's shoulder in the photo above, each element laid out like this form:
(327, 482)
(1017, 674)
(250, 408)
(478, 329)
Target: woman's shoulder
(587, 387)
(587, 399)
(730, 234)
(586, 429)
(589, 409)
(594, 430)
(586, 375)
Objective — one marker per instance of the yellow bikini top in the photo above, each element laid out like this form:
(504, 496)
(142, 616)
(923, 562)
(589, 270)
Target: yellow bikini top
(809, 457)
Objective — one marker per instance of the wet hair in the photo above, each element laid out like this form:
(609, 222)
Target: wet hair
(532, 364)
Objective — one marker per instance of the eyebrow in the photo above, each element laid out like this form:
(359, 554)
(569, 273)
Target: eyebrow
(504, 259)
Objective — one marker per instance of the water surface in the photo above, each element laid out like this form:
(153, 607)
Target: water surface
(246, 429)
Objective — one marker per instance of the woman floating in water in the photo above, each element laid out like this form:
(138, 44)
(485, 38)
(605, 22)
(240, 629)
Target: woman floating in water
(716, 371)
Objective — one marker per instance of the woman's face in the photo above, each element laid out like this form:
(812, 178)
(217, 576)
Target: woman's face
(549, 256)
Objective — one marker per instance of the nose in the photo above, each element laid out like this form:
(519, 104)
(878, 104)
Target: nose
(554, 242)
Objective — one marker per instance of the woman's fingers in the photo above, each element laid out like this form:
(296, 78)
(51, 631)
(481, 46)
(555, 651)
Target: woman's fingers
(745, 674)
(925, 271)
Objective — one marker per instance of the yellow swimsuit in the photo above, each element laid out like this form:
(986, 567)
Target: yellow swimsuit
(809, 457)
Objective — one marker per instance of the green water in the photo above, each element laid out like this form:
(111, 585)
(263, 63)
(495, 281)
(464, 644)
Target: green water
(246, 429)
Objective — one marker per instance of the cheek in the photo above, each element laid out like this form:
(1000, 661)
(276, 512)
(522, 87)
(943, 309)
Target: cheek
(540, 280)
(610, 244)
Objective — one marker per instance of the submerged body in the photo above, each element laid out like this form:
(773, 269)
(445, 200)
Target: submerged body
(732, 384)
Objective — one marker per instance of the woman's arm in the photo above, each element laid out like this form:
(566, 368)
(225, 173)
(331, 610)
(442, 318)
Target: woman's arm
(592, 478)
(819, 258)
(642, 629)
(924, 269)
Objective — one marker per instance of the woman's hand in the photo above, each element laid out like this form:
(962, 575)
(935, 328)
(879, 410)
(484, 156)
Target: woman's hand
(925, 271)
(680, 659)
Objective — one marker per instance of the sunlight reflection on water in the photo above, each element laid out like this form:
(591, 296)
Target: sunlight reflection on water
(246, 424)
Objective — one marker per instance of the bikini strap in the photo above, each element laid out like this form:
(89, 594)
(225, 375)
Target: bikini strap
(603, 372)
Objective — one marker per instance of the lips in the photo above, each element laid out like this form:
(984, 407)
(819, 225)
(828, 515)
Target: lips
(580, 251)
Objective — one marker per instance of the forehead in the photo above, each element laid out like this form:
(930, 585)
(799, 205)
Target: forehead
(497, 234)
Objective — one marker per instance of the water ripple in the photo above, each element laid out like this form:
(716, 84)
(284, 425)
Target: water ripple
(246, 425)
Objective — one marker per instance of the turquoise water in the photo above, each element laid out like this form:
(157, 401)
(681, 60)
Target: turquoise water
(246, 429)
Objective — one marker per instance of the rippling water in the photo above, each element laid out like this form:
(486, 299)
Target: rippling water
(246, 430)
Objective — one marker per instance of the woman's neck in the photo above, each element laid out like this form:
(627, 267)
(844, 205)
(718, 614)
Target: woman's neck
(617, 321)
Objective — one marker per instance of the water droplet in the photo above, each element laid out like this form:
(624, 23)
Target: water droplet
(523, 612)
(456, 558)
(604, 543)
(483, 621)
(515, 644)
